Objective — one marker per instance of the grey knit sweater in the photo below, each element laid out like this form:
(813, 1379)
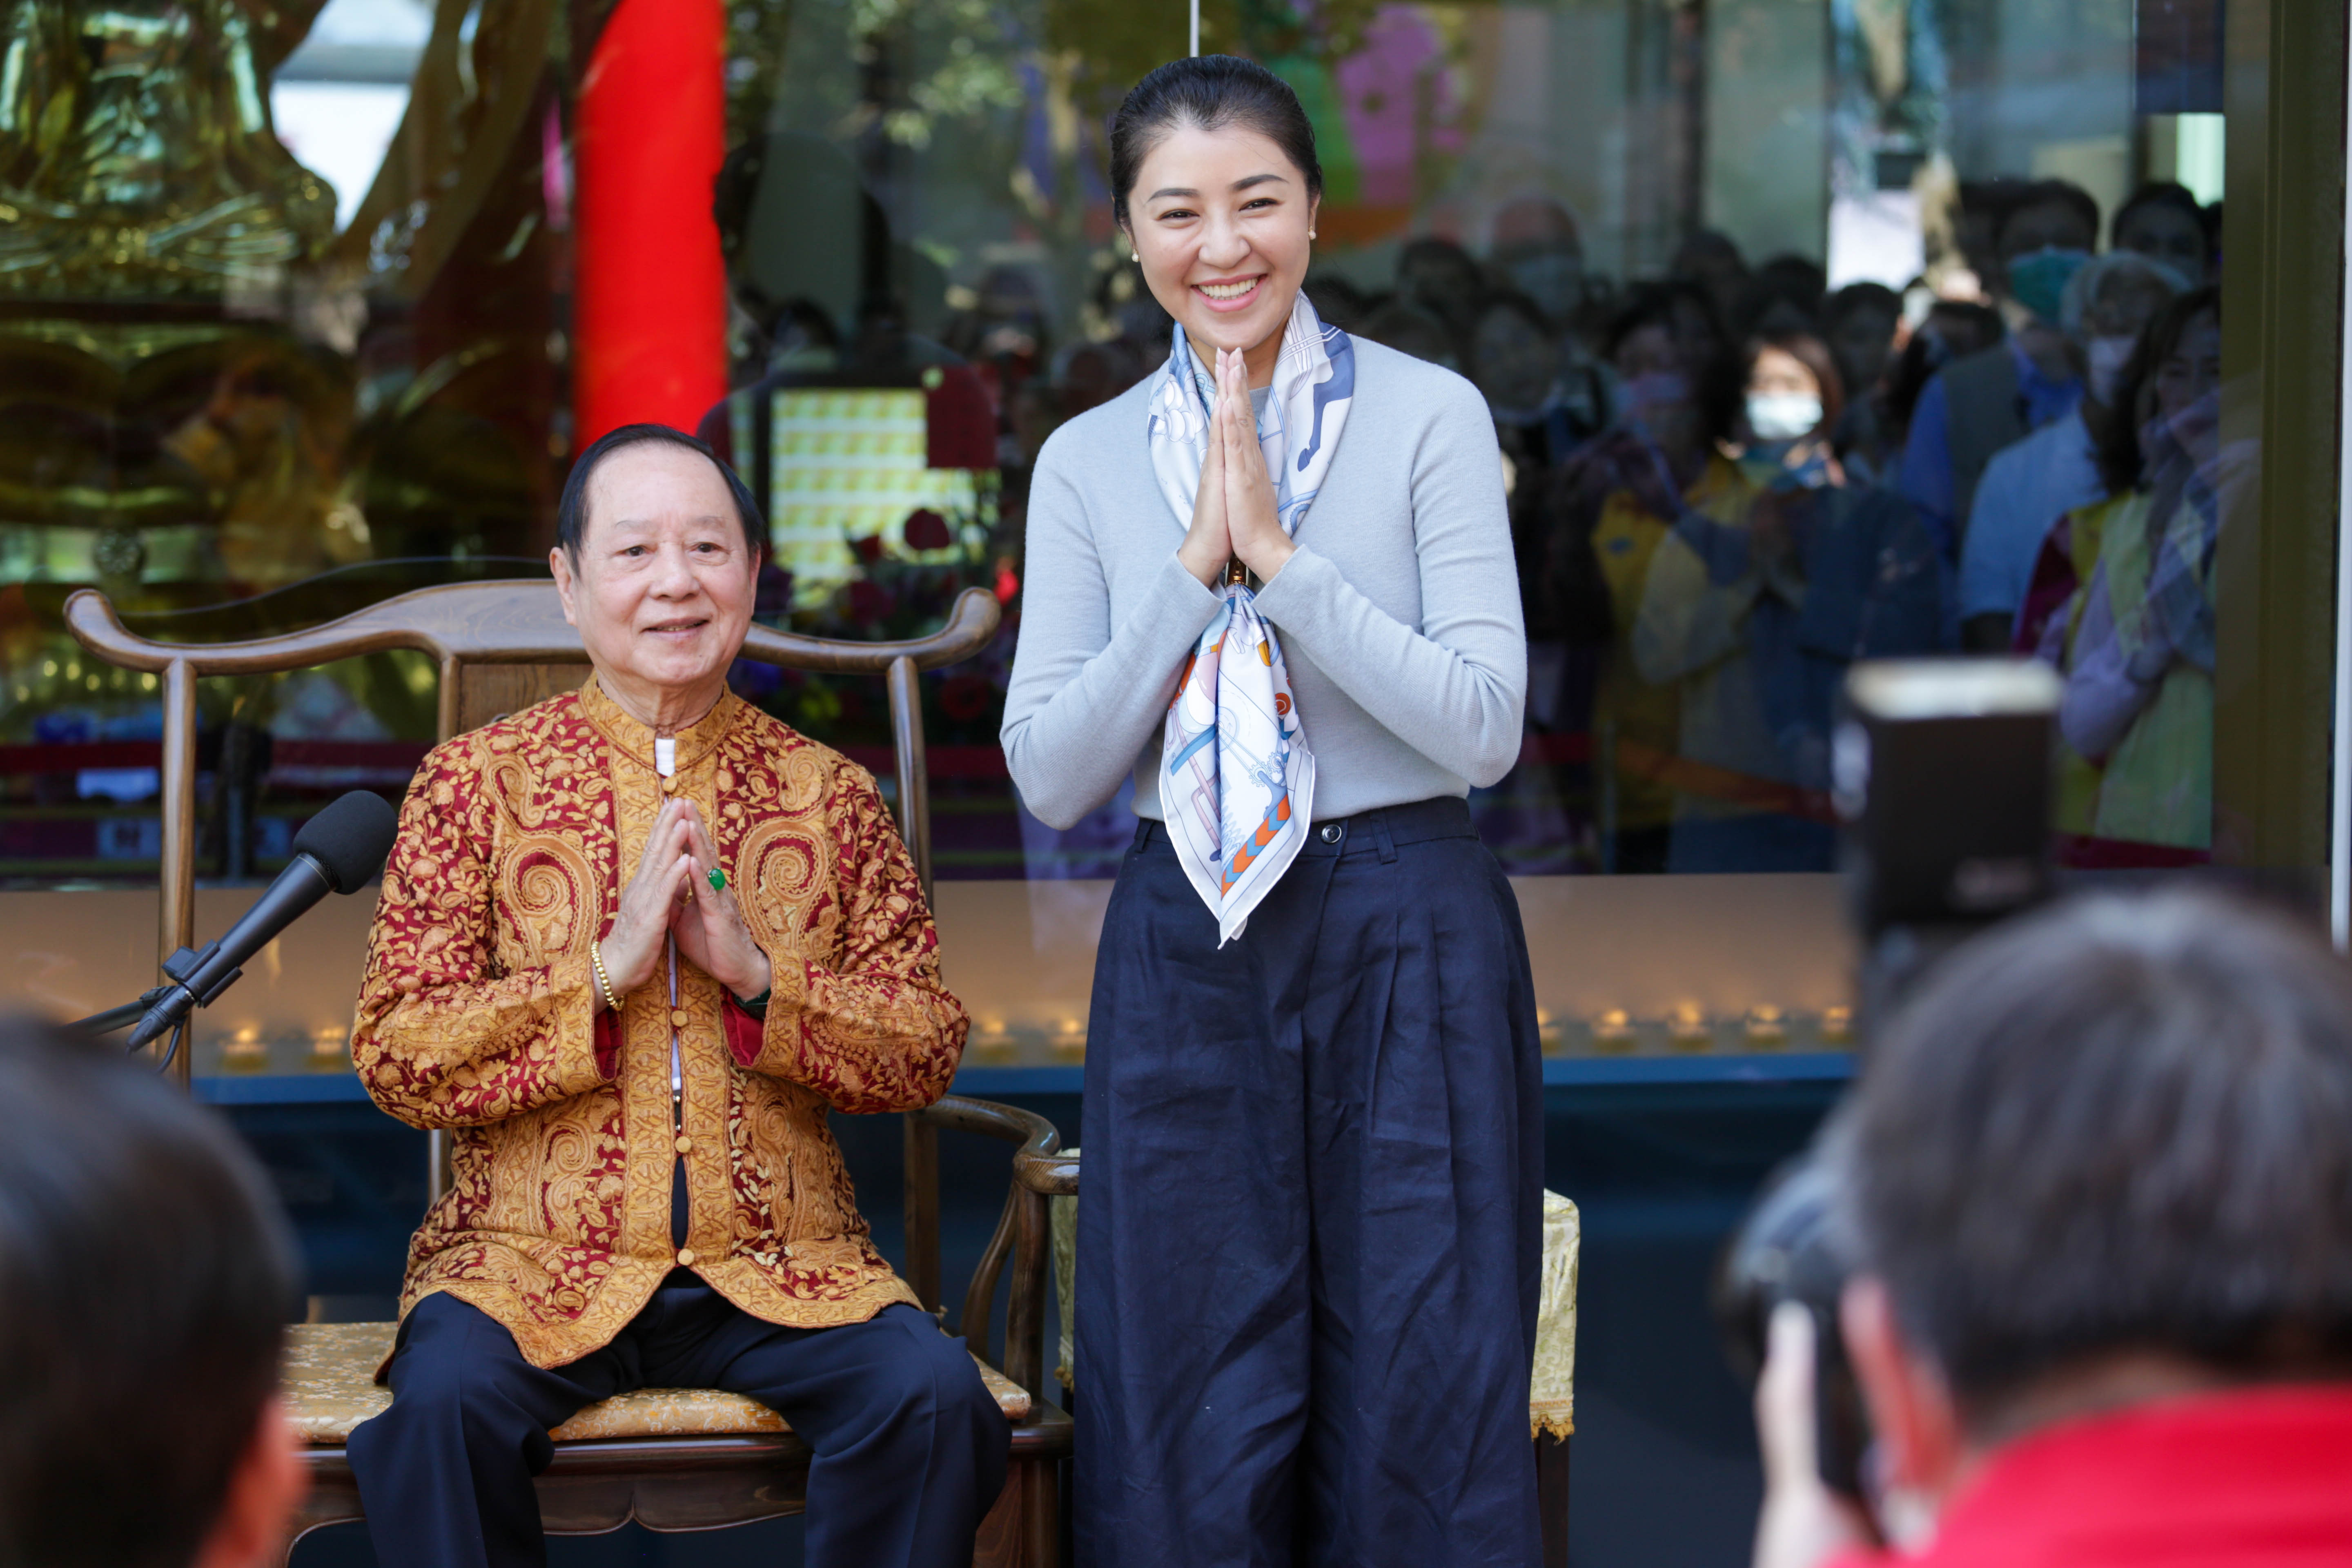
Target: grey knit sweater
(1399, 615)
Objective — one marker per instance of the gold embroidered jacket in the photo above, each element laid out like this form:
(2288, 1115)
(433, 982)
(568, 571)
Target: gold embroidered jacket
(479, 1013)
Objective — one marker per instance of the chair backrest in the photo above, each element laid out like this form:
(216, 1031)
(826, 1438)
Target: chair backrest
(501, 646)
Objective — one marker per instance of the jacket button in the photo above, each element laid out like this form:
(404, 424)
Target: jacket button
(1333, 833)
(684, 1144)
(669, 784)
(677, 1017)
(686, 1258)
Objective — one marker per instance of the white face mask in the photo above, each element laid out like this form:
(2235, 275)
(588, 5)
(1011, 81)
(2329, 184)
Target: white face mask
(2106, 358)
(1782, 415)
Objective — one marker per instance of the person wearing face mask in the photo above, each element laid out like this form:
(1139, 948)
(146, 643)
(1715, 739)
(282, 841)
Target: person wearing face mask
(1753, 617)
(1534, 245)
(2134, 640)
(1975, 406)
(2029, 484)
(1607, 509)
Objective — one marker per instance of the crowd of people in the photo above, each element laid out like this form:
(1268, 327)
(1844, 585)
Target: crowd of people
(1730, 484)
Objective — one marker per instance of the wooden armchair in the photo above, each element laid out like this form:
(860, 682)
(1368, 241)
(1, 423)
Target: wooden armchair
(673, 1460)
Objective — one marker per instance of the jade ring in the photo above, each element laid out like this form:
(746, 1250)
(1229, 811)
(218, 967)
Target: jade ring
(717, 879)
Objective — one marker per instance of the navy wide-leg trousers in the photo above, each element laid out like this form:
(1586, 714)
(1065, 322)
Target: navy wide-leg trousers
(1310, 1226)
(910, 1447)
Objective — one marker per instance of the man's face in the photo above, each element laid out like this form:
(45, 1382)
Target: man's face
(1514, 359)
(2044, 226)
(1863, 340)
(663, 588)
(2162, 232)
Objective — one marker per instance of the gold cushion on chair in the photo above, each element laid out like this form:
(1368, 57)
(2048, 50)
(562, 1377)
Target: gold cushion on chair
(1551, 1395)
(330, 1387)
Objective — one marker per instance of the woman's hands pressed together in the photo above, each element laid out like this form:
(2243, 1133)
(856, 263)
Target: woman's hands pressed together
(671, 893)
(1233, 513)
(1208, 544)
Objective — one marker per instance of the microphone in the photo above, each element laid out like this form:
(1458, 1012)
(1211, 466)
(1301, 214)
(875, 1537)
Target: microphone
(337, 851)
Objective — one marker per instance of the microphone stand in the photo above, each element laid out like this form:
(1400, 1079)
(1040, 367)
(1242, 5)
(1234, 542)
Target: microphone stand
(128, 1014)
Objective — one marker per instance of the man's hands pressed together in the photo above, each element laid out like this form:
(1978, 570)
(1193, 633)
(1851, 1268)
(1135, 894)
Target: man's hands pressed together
(671, 893)
(710, 928)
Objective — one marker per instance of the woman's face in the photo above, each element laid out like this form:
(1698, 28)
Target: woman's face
(1220, 220)
(1779, 373)
(2188, 386)
(1784, 397)
(1653, 384)
(663, 589)
(2126, 302)
(2162, 232)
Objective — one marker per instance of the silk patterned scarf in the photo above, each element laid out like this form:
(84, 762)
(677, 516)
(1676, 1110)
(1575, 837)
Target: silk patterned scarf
(1237, 779)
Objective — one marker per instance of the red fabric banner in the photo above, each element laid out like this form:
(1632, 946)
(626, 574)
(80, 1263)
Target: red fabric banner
(649, 310)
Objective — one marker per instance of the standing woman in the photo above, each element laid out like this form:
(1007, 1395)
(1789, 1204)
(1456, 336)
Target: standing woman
(1274, 582)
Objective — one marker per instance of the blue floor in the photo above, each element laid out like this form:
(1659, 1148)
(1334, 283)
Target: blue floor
(1661, 1158)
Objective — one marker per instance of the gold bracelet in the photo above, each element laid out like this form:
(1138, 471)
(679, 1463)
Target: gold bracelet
(604, 981)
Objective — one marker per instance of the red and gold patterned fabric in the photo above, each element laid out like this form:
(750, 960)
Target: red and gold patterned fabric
(478, 1014)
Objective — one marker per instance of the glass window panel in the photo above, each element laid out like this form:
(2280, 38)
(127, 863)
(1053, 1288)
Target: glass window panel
(1777, 305)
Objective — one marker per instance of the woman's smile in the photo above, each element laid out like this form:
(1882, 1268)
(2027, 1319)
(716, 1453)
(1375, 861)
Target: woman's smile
(1230, 293)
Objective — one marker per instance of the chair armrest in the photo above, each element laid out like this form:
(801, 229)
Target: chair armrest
(1022, 1232)
(1009, 1122)
(1039, 1164)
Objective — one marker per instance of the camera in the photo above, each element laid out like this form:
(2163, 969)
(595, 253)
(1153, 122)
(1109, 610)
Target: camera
(1942, 775)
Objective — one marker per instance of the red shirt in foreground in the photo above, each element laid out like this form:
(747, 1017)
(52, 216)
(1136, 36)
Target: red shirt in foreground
(2249, 1479)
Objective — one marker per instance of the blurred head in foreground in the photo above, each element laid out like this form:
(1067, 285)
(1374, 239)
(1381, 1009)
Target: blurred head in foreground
(144, 1277)
(2102, 1157)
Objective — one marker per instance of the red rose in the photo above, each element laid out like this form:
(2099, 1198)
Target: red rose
(927, 530)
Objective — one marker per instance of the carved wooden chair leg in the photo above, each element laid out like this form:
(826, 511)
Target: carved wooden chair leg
(1552, 1497)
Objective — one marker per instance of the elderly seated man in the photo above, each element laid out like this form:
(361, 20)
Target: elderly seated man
(2097, 1177)
(634, 943)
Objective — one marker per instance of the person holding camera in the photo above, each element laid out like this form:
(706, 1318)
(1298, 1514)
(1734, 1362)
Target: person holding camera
(2095, 1182)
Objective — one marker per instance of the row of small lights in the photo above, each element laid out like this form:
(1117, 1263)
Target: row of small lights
(1688, 1027)
(120, 680)
(244, 1051)
(1614, 1029)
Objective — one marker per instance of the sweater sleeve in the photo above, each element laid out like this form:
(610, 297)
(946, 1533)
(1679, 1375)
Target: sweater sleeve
(1453, 689)
(1086, 694)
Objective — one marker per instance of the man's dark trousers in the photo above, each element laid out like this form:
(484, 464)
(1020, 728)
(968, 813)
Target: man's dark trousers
(910, 1448)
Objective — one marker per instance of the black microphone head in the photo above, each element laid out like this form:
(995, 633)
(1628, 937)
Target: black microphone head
(350, 839)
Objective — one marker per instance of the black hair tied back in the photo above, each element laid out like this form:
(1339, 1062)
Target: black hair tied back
(1208, 92)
